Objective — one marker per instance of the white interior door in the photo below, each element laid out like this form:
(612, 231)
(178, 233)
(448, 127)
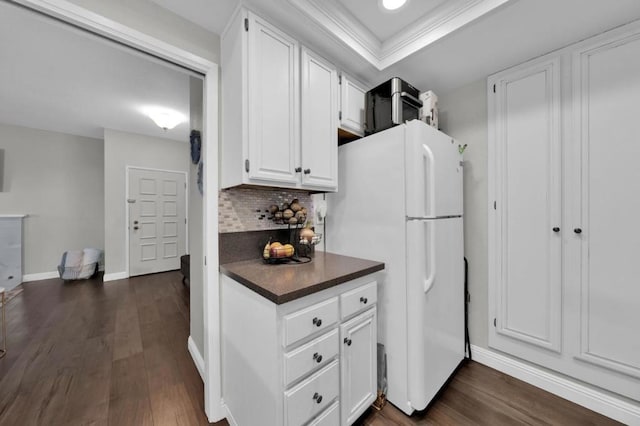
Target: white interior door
(525, 212)
(157, 221)
(607, 91)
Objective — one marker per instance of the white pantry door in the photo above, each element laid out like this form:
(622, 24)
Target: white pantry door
(157, 221)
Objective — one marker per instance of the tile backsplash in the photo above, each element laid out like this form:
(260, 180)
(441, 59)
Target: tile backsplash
(246, 209)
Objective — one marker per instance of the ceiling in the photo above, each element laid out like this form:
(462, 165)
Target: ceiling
(436, 45)
(61, 79)
(66, 80)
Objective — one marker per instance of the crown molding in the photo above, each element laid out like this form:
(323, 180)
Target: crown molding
(445, 19)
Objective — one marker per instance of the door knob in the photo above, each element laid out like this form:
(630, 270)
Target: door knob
(577, 230)
(556, 229)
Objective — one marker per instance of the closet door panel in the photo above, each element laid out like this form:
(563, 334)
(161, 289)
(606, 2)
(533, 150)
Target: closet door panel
(527, 209)
(608, 92)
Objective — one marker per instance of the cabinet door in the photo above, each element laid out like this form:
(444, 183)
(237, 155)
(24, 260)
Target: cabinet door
(358, 365)
(606, 93)
(525, 208)
(352, 104)
(273, 104)
(319, 122)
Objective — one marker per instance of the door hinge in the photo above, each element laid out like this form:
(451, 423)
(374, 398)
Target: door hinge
(340, 79)
(185, 221)
(494, 88)
(246, 165)
(340, 115)
(205, 261)
(495, 322)
(494, 205)
(246, 24)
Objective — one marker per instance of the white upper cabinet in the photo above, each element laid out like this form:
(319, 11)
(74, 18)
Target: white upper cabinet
(263, 108)
(273, 96)
(352, 104)
(319, 82)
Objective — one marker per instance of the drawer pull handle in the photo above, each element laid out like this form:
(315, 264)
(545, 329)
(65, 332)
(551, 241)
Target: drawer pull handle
(317, 322)
(363, 300)
(347, 341)
(317, 357)
(317, 397)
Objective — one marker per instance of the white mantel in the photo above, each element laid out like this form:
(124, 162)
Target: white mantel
(10, 250)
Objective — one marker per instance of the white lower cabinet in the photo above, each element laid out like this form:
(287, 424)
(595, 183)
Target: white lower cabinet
(358, 357)
(311, 361)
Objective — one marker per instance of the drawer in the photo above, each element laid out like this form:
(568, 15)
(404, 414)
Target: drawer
(312, 396)
(331, 417)
(358, 299)
(308, 321)
(311, 356)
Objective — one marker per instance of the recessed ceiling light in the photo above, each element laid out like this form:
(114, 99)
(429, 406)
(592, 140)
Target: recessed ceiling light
(393, 4)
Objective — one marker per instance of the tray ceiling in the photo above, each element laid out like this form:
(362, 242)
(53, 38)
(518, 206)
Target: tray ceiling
(383, 37)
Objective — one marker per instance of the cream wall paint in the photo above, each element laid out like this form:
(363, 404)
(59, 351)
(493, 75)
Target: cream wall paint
(57, 180)
(126, 149)
(463, 115)
(155, 21)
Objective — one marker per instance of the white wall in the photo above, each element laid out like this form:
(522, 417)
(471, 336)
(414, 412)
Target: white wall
(126, 149)
(147, 17)
(57, 179)
(463, 115)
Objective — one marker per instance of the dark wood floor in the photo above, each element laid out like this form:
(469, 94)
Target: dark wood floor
(84, 353)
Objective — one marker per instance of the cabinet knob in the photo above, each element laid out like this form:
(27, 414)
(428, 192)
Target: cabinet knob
(136, 228)
(317, 357)
(317, 397)
(577, 230)
(556, 229)
(317, 322)
(363, 300)
(347, 341)
(135, 222)
(298, 169)
(307, 171)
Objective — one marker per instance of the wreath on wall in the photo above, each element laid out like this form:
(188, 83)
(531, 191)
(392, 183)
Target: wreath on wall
(196, 146)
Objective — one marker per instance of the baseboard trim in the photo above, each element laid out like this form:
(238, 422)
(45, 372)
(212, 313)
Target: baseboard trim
(115, 276)
(40, 276)
(577, 393)
(198, 360)
(229, 417)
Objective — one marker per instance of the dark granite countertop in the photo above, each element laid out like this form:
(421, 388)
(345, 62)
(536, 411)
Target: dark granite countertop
(286, 282)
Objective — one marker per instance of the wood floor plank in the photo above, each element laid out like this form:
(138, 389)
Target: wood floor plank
(88, 353)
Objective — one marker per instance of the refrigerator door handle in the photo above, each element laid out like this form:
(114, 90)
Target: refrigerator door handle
(429, 180)
(430, 264)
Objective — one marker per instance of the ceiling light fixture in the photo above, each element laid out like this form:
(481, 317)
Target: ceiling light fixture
(165, 118)
(393, 4)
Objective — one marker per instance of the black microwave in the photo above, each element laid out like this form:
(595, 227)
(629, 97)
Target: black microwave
(389, 104)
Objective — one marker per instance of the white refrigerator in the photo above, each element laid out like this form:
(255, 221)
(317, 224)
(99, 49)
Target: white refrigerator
(400, 202)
